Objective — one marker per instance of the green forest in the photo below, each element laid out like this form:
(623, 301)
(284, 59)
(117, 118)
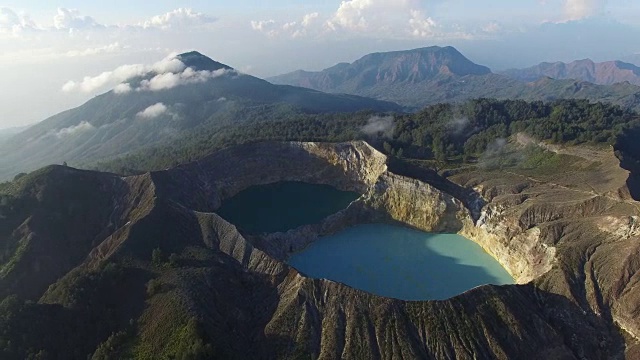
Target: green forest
(443, 132)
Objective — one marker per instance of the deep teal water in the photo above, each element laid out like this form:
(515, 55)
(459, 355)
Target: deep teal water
(283, 206)
(401, 263)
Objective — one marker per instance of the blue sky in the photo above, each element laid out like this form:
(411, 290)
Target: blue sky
(46, 44)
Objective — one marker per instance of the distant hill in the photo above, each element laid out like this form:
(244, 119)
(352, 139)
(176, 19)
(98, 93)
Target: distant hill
(385, 69)
(604, 73)
(421, 77)
(157, 107)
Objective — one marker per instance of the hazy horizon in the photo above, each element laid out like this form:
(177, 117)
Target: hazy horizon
(45, 47)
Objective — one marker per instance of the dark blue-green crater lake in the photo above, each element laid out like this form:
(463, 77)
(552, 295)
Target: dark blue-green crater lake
(283, 206)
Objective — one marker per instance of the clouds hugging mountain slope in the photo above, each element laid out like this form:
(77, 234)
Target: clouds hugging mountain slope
(154, 104)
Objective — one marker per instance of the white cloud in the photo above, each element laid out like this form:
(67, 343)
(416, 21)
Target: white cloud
(72, 21)
(8, 18)
(118, 75)
(153, 111)
(379, 125)
(123, 88)
(422, 26)
(492, 27)
(67, 19)
(110, 48)
(13, 23)
(580, 9)
(308, 19)
(164, 74)
(161, 82)
(268, 27)
(387, 19)
(54, 51)
(181, 17)
(70, 86)
(352, 15)
(72, 130)
(293, 28)
(188, 76)
(289, 25)
(168, 65)
(262, 25)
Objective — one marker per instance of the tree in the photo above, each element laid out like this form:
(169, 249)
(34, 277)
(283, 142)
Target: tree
(387, 147)
(153, 287)
(173, 259)
(157, 258)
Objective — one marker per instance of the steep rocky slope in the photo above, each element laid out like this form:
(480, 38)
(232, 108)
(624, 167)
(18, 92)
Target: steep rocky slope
(572, 245)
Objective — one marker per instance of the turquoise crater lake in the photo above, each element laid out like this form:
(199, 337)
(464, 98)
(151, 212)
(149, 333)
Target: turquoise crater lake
(399, 262)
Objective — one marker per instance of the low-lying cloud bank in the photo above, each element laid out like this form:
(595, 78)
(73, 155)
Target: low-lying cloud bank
(75, 129)
(122, 73)
(153, 111)
(379, 125)
(15, 22)
(166, 74)
(170, 80)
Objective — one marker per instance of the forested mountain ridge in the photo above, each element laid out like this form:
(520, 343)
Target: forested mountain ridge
(159, 107)
(440, 132)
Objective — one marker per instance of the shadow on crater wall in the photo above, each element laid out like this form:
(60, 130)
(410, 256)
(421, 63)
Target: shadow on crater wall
(627, 150)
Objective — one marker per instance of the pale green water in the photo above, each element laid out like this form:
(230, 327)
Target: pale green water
(283, 206)
(401, 263)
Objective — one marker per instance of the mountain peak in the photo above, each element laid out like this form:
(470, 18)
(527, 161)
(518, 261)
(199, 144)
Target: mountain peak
(584, 61)
(427, 62)
(393, 68)
(197, 61)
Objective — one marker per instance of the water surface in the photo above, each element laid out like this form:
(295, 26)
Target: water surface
(401, 263)
(283, 206)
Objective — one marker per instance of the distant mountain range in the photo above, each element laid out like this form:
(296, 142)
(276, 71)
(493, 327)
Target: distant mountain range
(604, 73)
(158, 107)
(425, 76)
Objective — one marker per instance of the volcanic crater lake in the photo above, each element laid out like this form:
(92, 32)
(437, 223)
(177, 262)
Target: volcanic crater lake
(385, 260)
(400, 262)
(283, 206)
